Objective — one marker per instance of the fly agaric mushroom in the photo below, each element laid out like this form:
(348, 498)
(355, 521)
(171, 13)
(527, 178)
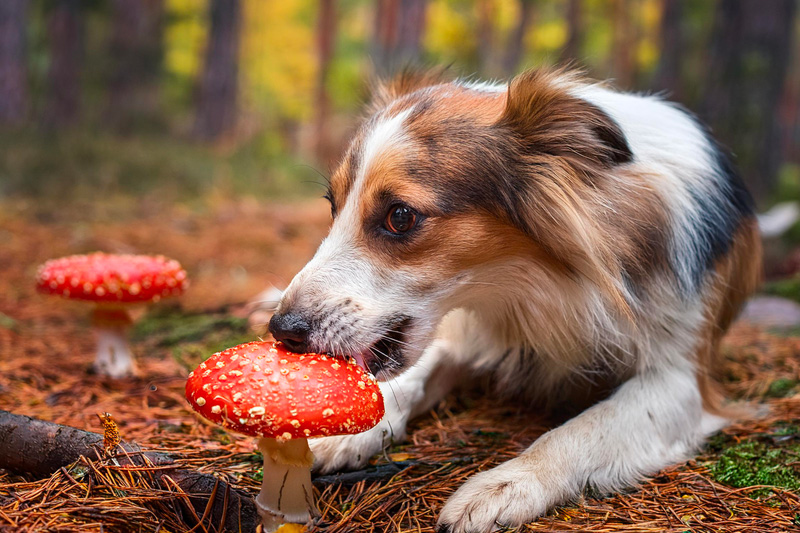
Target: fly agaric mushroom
(263, 390)
(112, 282)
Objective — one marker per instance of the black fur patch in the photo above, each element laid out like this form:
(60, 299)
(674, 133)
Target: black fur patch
(721, 214)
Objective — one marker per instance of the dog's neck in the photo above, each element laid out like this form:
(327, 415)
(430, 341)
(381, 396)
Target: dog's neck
(555, 317)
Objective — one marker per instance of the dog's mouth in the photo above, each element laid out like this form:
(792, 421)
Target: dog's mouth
(386, 357)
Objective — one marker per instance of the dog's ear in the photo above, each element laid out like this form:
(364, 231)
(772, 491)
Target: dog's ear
(385, 91)
(567, 147)
(547, 119)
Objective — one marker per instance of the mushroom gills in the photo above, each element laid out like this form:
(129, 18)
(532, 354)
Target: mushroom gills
(286, 490)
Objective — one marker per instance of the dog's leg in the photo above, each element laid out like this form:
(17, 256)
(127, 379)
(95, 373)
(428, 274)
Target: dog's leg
(414, 392)
(653, 420)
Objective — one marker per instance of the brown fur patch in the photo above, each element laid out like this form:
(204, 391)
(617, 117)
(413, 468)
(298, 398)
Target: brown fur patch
(738, 275)
(537, 159)
(548, 120)
(385, 92)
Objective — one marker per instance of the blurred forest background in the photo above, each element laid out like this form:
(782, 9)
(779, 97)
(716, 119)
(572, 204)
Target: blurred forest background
(175, 100)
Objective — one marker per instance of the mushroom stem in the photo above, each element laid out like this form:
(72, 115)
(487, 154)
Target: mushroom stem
(114, 357)
(286, 491)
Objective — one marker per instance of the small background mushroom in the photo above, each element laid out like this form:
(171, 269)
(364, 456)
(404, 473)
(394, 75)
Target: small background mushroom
(113, 283)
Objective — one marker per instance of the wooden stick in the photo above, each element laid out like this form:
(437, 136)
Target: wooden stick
(39, 448)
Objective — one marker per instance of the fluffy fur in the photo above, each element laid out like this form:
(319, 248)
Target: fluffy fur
(568, 238)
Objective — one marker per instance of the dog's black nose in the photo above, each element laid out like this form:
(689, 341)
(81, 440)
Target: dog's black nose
(292, 330)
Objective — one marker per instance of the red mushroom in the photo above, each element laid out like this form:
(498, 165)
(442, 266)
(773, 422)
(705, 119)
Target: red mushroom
(263, 390)
(112, 282)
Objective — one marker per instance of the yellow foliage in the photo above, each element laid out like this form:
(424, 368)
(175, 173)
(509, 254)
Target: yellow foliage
(549, 36)
(184, 37)
(449, 34)
(278, 59)
(506, 15)
(647, 52)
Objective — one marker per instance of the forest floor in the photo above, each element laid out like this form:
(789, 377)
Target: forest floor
(746, 479)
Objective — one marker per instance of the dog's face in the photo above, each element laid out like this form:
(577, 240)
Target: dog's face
(403, 236)
(425, 208)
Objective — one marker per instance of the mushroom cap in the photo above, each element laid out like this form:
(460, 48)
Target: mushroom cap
(112, 278)
(261, 389)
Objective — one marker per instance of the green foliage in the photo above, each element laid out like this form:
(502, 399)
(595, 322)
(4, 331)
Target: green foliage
(785, 288)
(752, 462)
(95, 167)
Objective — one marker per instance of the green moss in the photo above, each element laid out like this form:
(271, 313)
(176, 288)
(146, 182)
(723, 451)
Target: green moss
(718, 442)
(171, 327)
(192, 354)
(752, 462)
(781, 388)
(193, 338)
(786, 429)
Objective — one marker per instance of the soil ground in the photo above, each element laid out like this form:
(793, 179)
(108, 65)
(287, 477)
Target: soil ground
(746, 479)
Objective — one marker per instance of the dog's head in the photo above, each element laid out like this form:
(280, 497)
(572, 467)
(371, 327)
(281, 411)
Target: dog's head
(445, 194)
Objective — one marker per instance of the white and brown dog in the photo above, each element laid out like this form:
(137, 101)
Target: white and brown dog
(554, 233)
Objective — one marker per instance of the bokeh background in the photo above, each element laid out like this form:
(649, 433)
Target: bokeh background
(180, 99)
(204, 129)
(186, 114)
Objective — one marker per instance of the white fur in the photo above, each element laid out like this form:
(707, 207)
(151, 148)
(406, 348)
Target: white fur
(667, 144)
(341, 271)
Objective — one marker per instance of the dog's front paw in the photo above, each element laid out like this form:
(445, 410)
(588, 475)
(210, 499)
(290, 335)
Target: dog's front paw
(506, 496)
(347, 452)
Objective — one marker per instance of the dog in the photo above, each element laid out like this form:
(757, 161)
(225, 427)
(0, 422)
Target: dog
(553, 233)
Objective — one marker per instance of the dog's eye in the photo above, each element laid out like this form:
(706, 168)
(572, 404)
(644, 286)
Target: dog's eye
(400, 219)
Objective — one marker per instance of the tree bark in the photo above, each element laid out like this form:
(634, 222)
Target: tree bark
(40, 448)
(572, 49)
(13, 61)
(486, 52)
(411, 29)
(219, 84)
(516, 41)
(397, 37)
(624, 42)
(326, 37)
(135, 46)
(65, 32)
(668, 75)
(749, 61)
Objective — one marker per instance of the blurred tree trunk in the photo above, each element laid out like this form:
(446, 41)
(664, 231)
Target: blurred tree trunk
(749, 60)
(790, 107)
(486, 59)
(411, 29)
(516, 41)
(623, 45)
(572, 49)
(135, 45)
(397, 38)
(668, 75)
(219, 82)
(13, 61)
(65, 28)
(326, 37)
